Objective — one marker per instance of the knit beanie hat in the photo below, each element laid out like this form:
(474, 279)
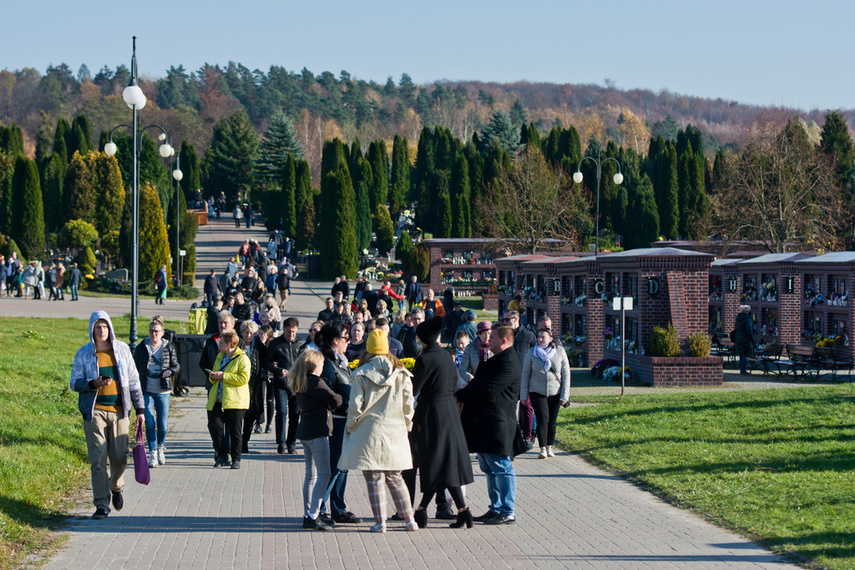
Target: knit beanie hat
(378, 342)
(430, 330)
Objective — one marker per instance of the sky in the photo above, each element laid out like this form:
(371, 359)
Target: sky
(790, 53)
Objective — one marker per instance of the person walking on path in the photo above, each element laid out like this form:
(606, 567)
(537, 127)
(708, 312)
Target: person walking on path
(256, 349)
(379, 416)
(228, 399)
(316, 399)
(490, 423)
(74, 281)
(282, 353)
(413, 293)
(157, 362)
(160, 282)
(743, 338)
(212, 287)
(546, 381)
(105, 377)
(333, 344)
(441, 457)
(524, 340)
(237, 214)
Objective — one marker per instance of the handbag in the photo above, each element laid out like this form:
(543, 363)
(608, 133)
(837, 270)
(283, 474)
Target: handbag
(520, 446)
(141, 470)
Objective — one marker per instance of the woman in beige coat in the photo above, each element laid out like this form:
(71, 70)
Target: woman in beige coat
(379, 416)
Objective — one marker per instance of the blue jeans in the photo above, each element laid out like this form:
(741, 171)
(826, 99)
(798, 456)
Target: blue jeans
(317, 454)
(155, 432)
(74, 292)
(501, 481)
(338, 479)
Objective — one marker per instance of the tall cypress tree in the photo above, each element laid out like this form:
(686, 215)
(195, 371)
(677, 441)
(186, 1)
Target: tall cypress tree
(80, 136)
(363, 205)
(400, 189)
(339, 252)
(685, 188)
(333, 159)
(642, 227)
(460, 199)
(28, 224)
(107, 191)
(379, 160)
(60, 140)
(287, 207)
(153, 241)
(305, 204)
(667, 200)
(443, 224)
(191, 181)
(12, 140)
(52, 176)
(385, 229)
(7, 168)
(77, 192)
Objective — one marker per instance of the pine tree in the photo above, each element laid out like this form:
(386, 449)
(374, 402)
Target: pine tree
(279, 140)
(228, 162)
(78, 195)
(460, 199)
(385, 229)
(400, 189)
(28, 224)
(80, 136)
(518, 114)
(153, 240)
(107, 191)
(501, 127)
(837, 144)
(52, 176)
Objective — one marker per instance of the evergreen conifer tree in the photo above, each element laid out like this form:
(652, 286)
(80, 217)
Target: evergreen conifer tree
(403, 249)
(107, 191)
(191, 180)
(52, 176)
(80, 136)
(667, 200)
(399, 192)
(12, 140)
(442, 229)
(643, 225)
(379, 159)
(28, 225)
(287, 199)
(385, 229)
(153, 240)
(837, 144)
(7, 168)
(354, 156)
(461, 199)
(501, 127)
(279, 140)
(44, 139)
(78, 195)
(363, 205)
(60, 140)
(518, 114)
(305, 201)
(338, 250)
(228, 162)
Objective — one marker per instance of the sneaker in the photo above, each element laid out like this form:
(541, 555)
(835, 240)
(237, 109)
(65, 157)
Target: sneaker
(118, 500)
(549, 452)
(268, 429)
(235, 464)
(257, 429)
(152, 459)
(161, 457)
(411, 526)
(292, 450)
(380, 527)
(326, 518)
(100, 513)
(542, 453)
(281, 449)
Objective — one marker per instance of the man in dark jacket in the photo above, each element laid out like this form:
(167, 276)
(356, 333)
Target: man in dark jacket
(413, 293)
(212, 287)
(407, 334)
(74, 281)
(489, 422)
(282, 352)
(327, 314)
(743, 338)
(524, 339)
(212, 325)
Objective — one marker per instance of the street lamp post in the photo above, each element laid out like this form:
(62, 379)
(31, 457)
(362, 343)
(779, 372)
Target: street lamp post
(135, 99)
(577, 178)
(177, 175)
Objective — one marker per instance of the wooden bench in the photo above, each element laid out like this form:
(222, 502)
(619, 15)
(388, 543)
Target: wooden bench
(802, 359)
(826, 359)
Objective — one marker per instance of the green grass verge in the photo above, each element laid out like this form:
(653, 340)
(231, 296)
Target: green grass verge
(44, 468)
(775, 465)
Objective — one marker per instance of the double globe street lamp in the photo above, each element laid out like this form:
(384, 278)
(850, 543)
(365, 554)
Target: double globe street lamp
(577, 178)
(135, 99)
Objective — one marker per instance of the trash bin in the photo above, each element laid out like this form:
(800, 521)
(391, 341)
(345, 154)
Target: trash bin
(189, 348)
(198, 320)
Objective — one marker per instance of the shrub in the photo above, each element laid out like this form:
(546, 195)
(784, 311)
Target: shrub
(699, 344)
(420, 262)
(663, 341)
(78, 233)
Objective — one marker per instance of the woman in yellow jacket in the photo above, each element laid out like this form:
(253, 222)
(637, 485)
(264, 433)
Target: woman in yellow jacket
(228, 399)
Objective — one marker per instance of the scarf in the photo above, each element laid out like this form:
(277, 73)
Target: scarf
(545, 354)
(483, 350)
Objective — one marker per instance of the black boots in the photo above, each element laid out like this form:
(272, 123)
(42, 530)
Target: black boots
(463, 517)
(421, 518)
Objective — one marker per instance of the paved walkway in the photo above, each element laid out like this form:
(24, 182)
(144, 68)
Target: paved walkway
(569, 515)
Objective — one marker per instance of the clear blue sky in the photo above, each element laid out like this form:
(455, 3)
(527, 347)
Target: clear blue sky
(790, 52)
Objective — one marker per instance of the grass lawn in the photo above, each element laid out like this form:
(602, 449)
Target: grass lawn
(43, 462)
(775, 465)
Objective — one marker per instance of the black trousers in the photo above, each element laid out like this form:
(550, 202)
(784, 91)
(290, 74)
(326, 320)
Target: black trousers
(546, 411)
(286, 407)
(220, 420)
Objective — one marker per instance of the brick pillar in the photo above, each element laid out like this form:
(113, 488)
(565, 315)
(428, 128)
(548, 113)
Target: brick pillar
(553, 305)
(731, 302)
(677, 303)
(596, 320)
(435, 274)
(790, 310)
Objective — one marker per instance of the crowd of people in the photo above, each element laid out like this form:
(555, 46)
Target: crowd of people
(345, 393)
(32, 280)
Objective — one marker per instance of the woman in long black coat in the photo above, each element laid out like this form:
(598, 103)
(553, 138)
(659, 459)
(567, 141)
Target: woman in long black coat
(443, 458)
